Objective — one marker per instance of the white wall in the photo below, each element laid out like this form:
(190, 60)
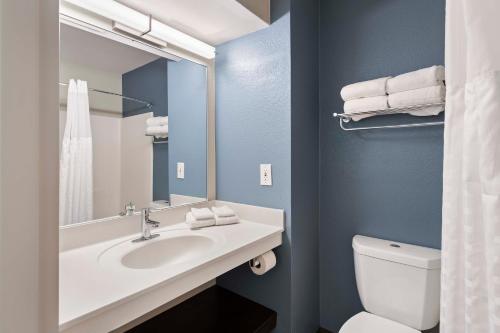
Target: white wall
(137, 162)
(28, 166)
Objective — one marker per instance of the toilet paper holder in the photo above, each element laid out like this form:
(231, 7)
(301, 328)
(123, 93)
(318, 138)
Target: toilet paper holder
(254, 263)
(263, 263)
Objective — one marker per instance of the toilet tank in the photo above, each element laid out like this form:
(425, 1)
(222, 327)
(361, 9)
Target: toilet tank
(398, 281)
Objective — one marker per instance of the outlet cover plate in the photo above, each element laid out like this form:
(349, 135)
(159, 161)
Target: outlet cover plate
(180, 170)
(266, 177)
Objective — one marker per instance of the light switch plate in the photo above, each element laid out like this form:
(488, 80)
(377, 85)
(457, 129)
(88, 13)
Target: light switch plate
(180, 170)
(266, 177)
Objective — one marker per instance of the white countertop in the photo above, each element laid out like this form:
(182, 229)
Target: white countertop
(90, 285)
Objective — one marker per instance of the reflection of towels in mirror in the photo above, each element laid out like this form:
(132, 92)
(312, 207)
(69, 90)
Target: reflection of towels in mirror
(157, 131)
(157, 127)
(157, 121)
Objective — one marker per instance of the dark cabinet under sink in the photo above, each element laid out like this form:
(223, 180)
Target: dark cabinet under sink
(215, 310)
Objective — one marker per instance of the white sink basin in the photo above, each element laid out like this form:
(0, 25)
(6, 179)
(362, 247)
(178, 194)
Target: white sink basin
(171, 248)
(169, 251)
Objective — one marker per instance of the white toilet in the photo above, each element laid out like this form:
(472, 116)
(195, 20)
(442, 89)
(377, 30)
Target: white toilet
(399, 286)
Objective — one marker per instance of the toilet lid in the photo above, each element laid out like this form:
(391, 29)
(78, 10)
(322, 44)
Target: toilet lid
(365, 322)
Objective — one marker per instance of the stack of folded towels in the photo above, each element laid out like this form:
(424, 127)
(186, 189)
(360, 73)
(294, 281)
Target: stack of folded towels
(421, 87)
(204, 217)
(157, 127)
(365, 96)
(425, 86)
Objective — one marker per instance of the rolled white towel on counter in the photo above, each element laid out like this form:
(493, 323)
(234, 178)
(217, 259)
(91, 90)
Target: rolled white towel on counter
(223, 211)
(371, 88)
(202, 213)
(429, 95)
(365, 104)
(196, 224)
(157, 131)
(422, 78)
(157, 121)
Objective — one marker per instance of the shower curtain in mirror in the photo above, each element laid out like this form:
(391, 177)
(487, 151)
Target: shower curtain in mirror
(75, 174)
(470, 284)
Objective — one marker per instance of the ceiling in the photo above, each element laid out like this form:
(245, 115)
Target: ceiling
(213, 21)
(87, 49)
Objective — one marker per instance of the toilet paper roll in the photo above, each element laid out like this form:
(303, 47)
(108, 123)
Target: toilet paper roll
(263, 263)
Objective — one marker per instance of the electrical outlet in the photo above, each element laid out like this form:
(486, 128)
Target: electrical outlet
(180, 170)
(266, 177)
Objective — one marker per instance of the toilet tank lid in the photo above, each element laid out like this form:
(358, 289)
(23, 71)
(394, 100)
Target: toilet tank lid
(407, 254)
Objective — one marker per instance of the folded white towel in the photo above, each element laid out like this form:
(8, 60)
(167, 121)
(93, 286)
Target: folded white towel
(202, 213)
(196, 224)
(430, 95)
(371, 88)
(219, 220)
(223, 211)
(365, 104)
(428, 111)
(157, 121)
(422, 78)
(157, 131)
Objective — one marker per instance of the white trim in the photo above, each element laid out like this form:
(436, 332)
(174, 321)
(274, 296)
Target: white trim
(29, 165)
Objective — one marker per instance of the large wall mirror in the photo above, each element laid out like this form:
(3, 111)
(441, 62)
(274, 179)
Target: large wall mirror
(133, 129)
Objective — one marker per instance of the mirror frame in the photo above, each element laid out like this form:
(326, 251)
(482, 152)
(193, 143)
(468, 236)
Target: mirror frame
(169, 53)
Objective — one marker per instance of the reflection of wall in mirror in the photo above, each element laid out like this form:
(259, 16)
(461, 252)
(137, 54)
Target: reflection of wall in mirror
(187, 108)
(119, 175)
(137, 162)
(149, 83)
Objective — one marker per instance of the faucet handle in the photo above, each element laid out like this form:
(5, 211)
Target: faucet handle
(145, 212)
(154, 224)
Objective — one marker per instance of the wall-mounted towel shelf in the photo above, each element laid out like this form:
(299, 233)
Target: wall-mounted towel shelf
(345, 118)
(158, 141)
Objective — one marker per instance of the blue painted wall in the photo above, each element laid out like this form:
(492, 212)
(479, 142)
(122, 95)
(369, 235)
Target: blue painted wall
(267, 112)
(386, 183)
(253, 122)
(149, 83)
(187, 110)
(304, 27)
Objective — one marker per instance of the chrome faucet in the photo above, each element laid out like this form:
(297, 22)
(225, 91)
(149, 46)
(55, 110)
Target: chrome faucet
(129, 209)
(146, 225)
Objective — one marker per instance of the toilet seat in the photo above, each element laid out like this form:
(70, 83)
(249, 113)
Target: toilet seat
(365, 322)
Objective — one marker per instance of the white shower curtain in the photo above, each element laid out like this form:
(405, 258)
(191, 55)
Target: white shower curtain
(75, 175)
(470, 285)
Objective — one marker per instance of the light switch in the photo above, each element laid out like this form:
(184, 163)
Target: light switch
(180, 170)
(266, 178)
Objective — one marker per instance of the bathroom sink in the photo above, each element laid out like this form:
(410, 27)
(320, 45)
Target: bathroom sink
(166, 250)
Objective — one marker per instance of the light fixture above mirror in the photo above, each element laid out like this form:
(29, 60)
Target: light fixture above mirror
(144, 26)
